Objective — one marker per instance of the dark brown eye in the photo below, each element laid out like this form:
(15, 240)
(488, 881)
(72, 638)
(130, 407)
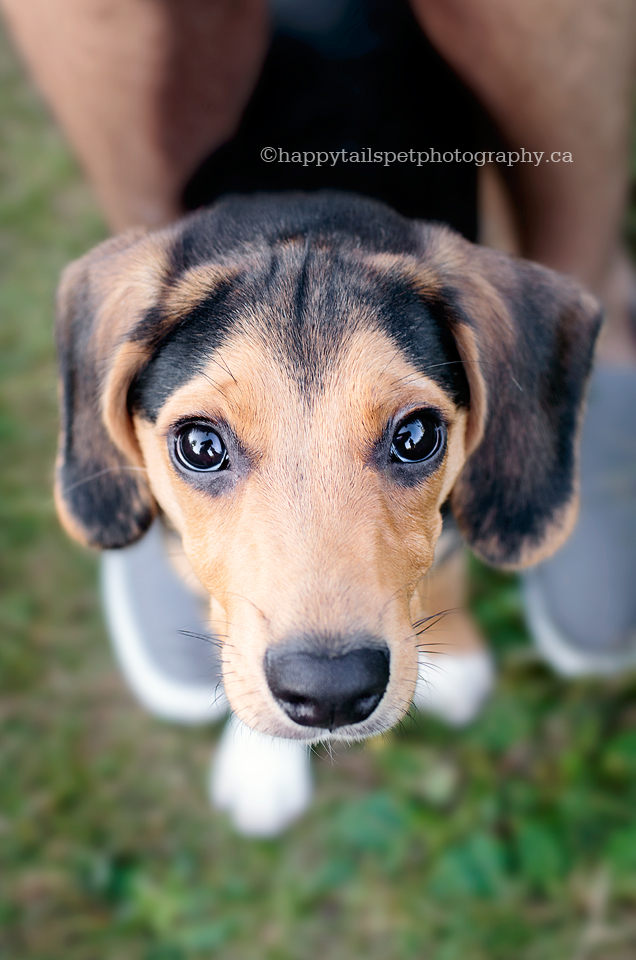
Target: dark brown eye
(199, 447)
(417, 438)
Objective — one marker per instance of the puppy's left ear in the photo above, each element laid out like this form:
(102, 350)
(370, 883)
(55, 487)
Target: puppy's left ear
(526, 336)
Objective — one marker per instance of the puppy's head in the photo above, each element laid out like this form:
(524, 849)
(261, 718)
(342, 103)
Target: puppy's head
(299, 384)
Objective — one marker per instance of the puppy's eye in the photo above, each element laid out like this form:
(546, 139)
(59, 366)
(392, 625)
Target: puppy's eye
(417, 438)
(199, 447)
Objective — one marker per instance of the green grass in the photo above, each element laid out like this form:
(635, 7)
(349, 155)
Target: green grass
(515, 840)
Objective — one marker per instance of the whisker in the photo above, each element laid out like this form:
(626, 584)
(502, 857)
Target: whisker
(396, 356)
(435, 616)
(449, 363)
(435, 667)
(215, 385)
(214, 641)
(224, 366)
(102, 473)
(425, 629)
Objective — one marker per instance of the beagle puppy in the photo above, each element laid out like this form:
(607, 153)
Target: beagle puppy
(299, 384)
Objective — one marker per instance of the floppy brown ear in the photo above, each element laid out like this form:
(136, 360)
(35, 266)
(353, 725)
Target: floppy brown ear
(101, 492)
(526, 336)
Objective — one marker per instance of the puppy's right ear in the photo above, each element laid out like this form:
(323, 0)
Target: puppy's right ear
(101, 492)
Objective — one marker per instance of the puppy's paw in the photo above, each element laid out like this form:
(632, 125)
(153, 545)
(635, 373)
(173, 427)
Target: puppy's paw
(454, 687)
(263, 782)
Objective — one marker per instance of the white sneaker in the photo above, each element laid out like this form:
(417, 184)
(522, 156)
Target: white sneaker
(581, 603)
(174, 675)
(454, 688)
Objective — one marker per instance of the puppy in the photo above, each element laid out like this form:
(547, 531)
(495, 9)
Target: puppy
(299, 384)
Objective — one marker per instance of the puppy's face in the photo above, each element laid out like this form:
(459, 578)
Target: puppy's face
(303, 404)
(304, 462)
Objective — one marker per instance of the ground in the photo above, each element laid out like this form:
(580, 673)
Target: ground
(515, 840)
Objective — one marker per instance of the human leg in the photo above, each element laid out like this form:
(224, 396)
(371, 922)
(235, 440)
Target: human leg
(143, 89)
(553, 75)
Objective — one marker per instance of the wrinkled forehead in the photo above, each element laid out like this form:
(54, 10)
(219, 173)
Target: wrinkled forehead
(309, 312)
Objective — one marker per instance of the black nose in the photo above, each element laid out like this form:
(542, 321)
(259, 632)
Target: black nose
(318, 690)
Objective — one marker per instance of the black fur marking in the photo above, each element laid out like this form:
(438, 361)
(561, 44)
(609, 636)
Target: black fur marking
(307, 285)
(182, 354)
(422, 330)
(238, 223)
(306, 334)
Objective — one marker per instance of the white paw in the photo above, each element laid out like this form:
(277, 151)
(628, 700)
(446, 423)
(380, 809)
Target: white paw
(263, 782)
(454, 688)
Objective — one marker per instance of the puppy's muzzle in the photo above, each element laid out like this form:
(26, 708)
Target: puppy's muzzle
(320, 689)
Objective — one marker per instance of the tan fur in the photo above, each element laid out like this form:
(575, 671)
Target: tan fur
(195, 285)
(424, 278)
(126, 283)
(438, 610)
(469, 352)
